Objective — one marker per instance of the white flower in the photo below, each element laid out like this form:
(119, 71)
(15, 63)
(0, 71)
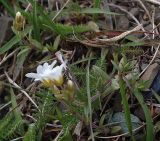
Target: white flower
(48, 73)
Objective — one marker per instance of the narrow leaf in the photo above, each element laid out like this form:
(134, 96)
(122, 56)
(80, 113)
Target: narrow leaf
(21, 57)
(10, 44)
(35, 22)
(16, 111)
(149, 122)
(126, 106)
(97, 11)
(30, 134)
(156, 96)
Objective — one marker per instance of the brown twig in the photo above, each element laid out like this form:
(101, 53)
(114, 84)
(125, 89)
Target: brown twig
(154, 1)
(60, 10)
(120, 135)
(5, 58)
(145, 9)
(67, 69)
(155, 54)
(116, 38)
(18, 87)
(130, 14)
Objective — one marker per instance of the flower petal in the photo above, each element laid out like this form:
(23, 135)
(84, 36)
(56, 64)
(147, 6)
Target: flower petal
(48, 72)
(56, 73)
(45, 66)
(37, 80)
(40, 69)
(33, 75)
(57, 70)
(53, 64)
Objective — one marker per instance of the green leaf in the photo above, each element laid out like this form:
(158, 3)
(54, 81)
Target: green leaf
(9, 127)
(5, 122)
(45, 22)
(126, 106)
(102, 119)
(30, 134)
(115, 129)
(149, 121)
(67, 29)
(132, 38)
(115, 65)
(59, 113)
(17, 38)
(35, 43)
(99, 72)
(97, 3)
(56, 44)
(16, 111)
(97, 11)
(89, 99)
(35, 22)
(66, 135)
(21, 57)
(133, 44)
(9, 44)
(156, 96)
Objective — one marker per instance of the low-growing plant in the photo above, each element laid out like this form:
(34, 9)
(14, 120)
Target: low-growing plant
(70, 98)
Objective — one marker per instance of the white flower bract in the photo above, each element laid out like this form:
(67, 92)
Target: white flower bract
(47, 73)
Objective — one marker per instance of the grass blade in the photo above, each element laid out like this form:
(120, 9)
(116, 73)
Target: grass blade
(14, 40)
(97, 11)
(30, 135)
(16, 110)
(89, 101)
(126, 106)
(149, 122)
(97, 3)
(156, 96)
(35, 22)
(9, 44)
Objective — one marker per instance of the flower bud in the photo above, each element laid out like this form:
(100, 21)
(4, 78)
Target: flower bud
(70, 85)
(70, 90)
(19, 21)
